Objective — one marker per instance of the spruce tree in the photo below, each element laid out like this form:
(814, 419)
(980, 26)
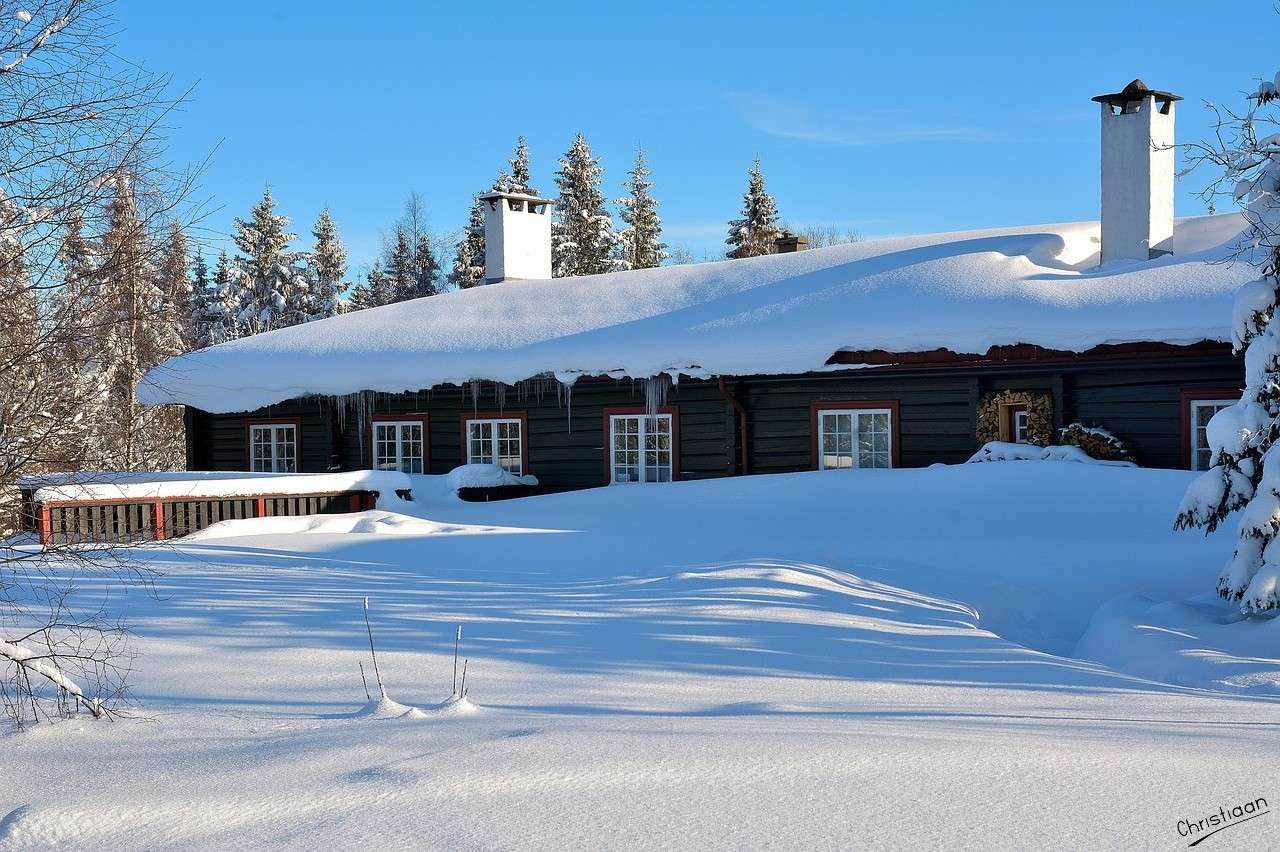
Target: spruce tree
(1244, 438)
(398, 263)
(754, 233)
(275, 289)
(201, 297)
(327, 266)
(468, 258)
(426, 269)
(139, 328)
(520, 180)
(222, 311)
(176, 291)
(582, 237)
(641, 239)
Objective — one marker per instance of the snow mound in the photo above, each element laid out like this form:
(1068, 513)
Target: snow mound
(1200, 642)
(387, 708)
(202, 484)
(993, 451)
(374, 522)
(787, 313)
(485, 476)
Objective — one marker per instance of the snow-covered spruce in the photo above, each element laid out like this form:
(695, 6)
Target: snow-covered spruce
(468, 256)
(1245, 461)
(582, 237)
(754, 233)
(273, 289)
(641, 239)
(326, 266)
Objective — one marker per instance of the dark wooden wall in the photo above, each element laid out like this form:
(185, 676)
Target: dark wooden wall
(566, 438)
(220, 441)
(1138, 399)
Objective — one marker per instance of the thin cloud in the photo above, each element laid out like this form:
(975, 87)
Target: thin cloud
(787, 119)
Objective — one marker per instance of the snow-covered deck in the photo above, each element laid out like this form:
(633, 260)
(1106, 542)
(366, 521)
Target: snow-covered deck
(154, 506)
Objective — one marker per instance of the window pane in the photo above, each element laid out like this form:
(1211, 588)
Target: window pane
(480, 441)
(384, 446)
(286, 447)
(411, 448)
(261, 446)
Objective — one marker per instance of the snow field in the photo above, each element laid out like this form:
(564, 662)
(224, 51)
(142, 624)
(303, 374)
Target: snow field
(818, 660)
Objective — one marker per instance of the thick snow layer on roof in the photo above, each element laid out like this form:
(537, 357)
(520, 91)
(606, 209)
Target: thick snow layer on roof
(207, 484)
(776, 314)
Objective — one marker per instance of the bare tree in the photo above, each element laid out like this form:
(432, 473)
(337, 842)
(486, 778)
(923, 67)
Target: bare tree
(830, 234)
(75, 123)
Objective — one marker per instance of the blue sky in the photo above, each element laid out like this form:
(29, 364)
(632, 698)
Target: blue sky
(888, 118)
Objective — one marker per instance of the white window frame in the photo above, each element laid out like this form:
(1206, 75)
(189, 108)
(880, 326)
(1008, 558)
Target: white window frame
(400, 427)
(277, 459)
(1196, 430)
(1021, 424)
(495, 442)
(641, 434)
(855, 414)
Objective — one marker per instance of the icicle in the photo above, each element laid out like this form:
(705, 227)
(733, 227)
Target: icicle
(655, 394)
(475, 386)
(500, 395)
(564, 394)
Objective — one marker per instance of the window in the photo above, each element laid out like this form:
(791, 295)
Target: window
(855, 438)
(400, 443)
(1017, 417)
(273, 447)
(641, 447)
(1202, 411)
(498, 440)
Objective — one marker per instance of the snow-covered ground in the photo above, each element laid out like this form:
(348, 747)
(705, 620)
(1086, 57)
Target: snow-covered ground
(883, 659)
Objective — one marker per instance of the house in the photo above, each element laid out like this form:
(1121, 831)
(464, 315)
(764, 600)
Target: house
(885, 353)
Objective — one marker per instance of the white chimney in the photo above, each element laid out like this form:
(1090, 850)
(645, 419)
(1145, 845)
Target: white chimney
(1137, 173)
(517, 236)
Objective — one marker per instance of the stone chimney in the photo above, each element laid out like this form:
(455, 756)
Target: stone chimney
(517, 236)
(787, 242)
(1137, 173)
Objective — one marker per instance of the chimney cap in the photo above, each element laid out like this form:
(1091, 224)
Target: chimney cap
(518, 196)
(1135, 91)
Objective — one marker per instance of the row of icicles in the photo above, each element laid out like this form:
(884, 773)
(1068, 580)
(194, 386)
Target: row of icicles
(365, 403)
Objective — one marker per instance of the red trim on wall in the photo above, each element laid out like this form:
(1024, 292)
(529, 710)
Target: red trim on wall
(742, 425)
(157, 520)
(400, 418)
(1188, 396)
(895, 425)
(1026, 353)
(272, 421)
(640, 409)
(522, 416)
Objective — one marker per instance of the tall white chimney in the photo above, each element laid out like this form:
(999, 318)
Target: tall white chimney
(517, 236)
(1137, 173)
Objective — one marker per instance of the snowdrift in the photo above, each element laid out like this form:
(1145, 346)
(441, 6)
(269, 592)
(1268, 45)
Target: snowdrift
(766, 315)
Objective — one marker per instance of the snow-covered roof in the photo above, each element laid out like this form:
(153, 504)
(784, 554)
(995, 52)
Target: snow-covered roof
(776, 314)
